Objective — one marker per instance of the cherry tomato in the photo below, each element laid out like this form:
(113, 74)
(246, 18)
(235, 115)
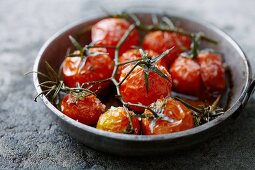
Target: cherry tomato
(117, 120)
(85, 109)
(186, 76)
(159, 41)
(180, 118)
(133, 89)
(96, 68)
(192, 76)
(212, 71)
(109, 31)
(134, 54)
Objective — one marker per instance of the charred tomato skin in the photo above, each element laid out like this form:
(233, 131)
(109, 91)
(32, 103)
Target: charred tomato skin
(83, 109)
(160, 41)
(116, 120)
(212, 71)
(175, 110)
(96, 68)
(133, 89)
(186, 76)
(109, 31)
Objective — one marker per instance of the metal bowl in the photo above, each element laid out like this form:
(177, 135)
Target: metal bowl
(54, 50)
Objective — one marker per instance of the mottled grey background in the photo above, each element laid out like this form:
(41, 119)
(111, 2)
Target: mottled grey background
(30, 139)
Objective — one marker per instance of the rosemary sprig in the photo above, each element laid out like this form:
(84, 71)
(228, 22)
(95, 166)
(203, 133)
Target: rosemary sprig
(149, 28)
(53, 85)
(157, 27)
(204, 114)
(158, 108)
(96, 46)
(195, 44)
(130, 128)
(80, 52)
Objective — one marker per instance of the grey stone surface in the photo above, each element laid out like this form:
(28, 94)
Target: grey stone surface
(30, 139)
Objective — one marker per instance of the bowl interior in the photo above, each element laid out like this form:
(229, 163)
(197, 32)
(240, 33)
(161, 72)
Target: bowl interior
(54, 52)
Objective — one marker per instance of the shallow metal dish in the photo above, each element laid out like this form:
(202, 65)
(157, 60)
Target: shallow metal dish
(54, 50)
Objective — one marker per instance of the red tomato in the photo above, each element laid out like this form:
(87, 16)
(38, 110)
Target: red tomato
(133, 89)
(97, 67)
(109, 31)
(191, 76)
(212, 71)
(116, 120)
(186, 76)
(83, 109)
(134, 54)
(159, 41)
(180, 115)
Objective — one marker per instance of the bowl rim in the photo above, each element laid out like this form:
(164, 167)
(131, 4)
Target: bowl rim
(144, 138)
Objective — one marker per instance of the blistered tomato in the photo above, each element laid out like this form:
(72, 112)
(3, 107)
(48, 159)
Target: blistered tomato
(109, 31)
(83, 108)
(159, 41)
(186, 76)
(97, 67)
(192, 76)
(134, 54)
(179, 118)
(117, 120)
(212, 71)
(134, 90)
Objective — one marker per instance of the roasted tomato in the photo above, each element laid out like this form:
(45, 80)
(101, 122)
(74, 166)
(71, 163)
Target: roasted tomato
(134, 54)
(159, 41)
(191, 76)
(212, 71)
(117, 120)
(134, 90)
(186, 76)
(82, 107)
(179, 118)
(109, 31)
(97, 67)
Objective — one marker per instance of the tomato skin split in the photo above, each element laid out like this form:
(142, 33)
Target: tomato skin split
(180, 115)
